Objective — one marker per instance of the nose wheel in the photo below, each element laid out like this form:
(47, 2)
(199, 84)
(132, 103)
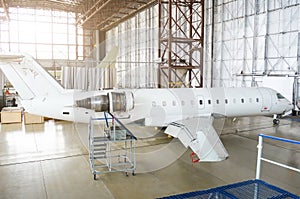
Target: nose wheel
(276, 120)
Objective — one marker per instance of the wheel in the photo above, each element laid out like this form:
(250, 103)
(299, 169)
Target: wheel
(133, 174)
(276, 121)
(95, 177)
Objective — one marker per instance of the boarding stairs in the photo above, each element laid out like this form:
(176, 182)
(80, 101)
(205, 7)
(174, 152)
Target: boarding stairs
(200, 135)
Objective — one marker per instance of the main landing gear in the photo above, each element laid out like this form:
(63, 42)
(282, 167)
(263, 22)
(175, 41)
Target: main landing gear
(276, 120)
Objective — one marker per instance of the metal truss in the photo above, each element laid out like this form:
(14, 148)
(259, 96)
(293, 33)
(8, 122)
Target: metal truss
(92, 14)
(181, 34)
(104, 14)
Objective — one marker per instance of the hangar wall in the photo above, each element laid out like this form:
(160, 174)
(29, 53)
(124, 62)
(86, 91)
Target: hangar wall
(137, 40)
(244, 40)
(258, 37)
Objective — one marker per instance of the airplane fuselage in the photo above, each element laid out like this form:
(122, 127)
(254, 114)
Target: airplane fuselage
(159, 107)
(185, 111)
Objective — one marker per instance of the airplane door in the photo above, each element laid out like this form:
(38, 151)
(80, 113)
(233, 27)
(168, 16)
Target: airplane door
(266, 100)
(200, 102)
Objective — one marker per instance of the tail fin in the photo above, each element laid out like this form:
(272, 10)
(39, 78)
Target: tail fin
(110, 59)
(108, 65)
(28, 77)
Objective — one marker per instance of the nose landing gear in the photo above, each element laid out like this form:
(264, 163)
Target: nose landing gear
(276, 120)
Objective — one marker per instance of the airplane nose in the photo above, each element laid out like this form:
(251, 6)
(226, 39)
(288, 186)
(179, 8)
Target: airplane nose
(289, 107)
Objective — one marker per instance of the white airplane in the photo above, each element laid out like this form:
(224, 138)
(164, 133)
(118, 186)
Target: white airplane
(186, 112)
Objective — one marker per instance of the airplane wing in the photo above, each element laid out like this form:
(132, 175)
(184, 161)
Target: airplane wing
(200, 135)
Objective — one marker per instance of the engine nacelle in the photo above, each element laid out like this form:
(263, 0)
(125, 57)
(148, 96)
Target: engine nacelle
(113, 101)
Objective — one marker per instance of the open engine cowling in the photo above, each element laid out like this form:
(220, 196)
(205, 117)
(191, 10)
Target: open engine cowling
(114, 101)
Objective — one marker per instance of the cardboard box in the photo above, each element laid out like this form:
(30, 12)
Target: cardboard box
(11, 115)
(33, 119)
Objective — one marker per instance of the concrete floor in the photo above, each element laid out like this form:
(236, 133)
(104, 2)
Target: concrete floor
(49, 161)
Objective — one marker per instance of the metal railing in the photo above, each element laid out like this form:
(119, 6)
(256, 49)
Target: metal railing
(259, 153)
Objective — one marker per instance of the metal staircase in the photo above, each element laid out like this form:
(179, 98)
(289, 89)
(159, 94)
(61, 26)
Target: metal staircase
(105, 152)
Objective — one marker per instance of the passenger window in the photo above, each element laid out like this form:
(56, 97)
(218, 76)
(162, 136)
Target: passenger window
(164, 103)
(242, 100)
(154, 104)
(217, 101)
(234, 100)
(250, 100)
(257, 99)
(209, 101)
(182, 103)
(174, 103)
(200, 102)
(226, 101)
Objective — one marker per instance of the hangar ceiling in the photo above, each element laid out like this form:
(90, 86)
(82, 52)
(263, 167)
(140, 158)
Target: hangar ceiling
(92, 14)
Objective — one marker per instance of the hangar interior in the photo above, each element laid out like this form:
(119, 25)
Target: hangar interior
(161, 44)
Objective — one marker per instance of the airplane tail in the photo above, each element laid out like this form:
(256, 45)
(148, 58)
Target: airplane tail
(28, 77)
(108, 64)
(110, 59)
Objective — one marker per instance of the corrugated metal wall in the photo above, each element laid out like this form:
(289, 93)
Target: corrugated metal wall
(249, 37)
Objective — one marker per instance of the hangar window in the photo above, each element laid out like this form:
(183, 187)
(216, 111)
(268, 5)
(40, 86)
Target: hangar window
(226, 101)
(61, 37)
(164, 103)
(242, 100)
(200, 102)
(209, 101)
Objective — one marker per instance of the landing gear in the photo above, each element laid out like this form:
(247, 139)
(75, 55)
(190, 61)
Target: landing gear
(276, 120)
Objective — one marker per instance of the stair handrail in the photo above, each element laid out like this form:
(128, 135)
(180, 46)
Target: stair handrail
(122, 125)
(118, 121)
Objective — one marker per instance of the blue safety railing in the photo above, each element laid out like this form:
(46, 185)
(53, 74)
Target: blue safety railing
(259, 153)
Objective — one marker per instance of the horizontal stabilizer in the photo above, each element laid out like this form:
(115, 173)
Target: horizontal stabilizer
(11, 58)
(200, 135)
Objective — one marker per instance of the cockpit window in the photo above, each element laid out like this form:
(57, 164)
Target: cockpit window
(279, 96)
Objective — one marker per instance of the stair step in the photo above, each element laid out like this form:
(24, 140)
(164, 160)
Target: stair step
(99, 157)
(99, 153)
(99, 145)
(99, 149)
(100, 139)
